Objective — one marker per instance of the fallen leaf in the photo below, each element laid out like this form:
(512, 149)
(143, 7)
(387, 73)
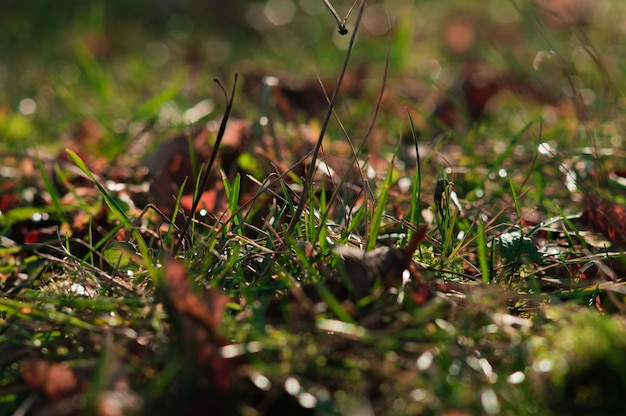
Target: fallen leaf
(208, 309)
(54, 380)
(207, 372)
(476, 86)
(385, 264)
(174, 162)
(606, 216)
(293, 95)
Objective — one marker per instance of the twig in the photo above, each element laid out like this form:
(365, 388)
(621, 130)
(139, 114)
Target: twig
(207, 170)
(341, 27)
(309, 176)
(357, 151)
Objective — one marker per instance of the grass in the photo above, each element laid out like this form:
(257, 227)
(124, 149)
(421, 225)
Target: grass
(245, 287)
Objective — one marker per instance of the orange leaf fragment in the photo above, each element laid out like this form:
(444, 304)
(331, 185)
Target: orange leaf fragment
(54, 380)
(606, 216)
(208, 310)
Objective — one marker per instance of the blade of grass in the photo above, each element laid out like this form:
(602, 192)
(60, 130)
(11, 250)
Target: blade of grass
(55, 198)
(232, 190)
(445, 221)
(204, 179)
(376, 220)
(175, 211)
(416, 188)
(323, 231)
(518, 210)
(95, 74)
(483, 262)
(151, 107)
(333, 304)
(497, 164)
(30, 311)
(309, 176)
(570, 241)
(119, 213)
(62, 178)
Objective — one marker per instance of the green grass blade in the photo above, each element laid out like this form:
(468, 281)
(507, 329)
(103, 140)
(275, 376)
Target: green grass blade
(333, 304)
(172, 225)
(108, 198)
(95, 74)
(232, 191)
(380, 206)
(323, 232)
(52, 315)
(52, 191)
(518, 209)
(119, 213)
(483, 262)
(151, 107)
(416, 187)
(497, 164)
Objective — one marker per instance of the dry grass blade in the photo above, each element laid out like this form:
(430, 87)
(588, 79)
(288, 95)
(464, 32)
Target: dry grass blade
(207, 170)
(329, 113)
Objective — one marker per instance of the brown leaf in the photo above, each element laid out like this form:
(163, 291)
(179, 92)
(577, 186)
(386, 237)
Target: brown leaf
(363, 269)
(54, 380)
(477, 85)
(9, 197)
(173, 163)
(387, 264)
(606, 216)
(418, 238)
(208, 378)
(421, 287)
(208, 310)
(294, 95)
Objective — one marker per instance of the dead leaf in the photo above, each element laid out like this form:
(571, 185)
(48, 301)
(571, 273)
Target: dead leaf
(606, 216)
(174, 162)
(385, 264)
(54, 380)
(208, 371)
(476, 87)
(293, 95)
(208, 310)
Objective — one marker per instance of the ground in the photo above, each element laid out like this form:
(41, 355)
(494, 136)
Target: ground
(240, 208)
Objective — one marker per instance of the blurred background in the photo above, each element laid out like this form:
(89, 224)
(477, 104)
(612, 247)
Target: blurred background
(123, 62)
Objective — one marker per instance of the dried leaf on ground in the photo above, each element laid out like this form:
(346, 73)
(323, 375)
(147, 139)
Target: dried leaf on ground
(385, 264)
(180, 159)
(207, 309)
(208, 369)
(54, 380)
(292, 95)
(606, 216)
(476, 86)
